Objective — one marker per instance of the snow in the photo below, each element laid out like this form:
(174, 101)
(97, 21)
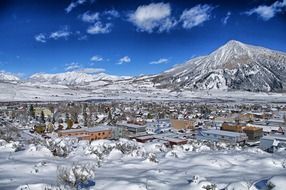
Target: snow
(73, 78)
(131, 165)
(123, 90)
(278, 182)
(4, 76)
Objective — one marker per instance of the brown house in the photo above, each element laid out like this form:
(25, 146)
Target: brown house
(233, 127)
(94, 133)
(253, 133)
(182, 124)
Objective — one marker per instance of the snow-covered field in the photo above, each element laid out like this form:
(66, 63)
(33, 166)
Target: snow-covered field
(130, 165)
(122, 90)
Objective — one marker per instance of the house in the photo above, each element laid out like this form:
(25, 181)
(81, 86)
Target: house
(132, 128)
(234, 127)
(94, 133)
(271, 142)
(253, 133)
(158, 126)
(182, 124)
(219, 135)
(268, 128)
(265, 115)
(175, 141)
(145, 138)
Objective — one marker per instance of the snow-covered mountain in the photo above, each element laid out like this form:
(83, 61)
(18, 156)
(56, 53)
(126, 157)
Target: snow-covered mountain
(8, 77)
(234, 66)
(74, 78)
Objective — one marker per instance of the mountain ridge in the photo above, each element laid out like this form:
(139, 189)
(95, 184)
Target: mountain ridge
(233, 66)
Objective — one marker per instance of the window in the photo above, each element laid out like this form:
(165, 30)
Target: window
(99, 134)
(103, 133)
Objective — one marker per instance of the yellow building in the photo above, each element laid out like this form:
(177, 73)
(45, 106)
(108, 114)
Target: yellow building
(182, 124)
(39, 110)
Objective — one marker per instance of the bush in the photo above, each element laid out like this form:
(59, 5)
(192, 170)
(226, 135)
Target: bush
(76, 175)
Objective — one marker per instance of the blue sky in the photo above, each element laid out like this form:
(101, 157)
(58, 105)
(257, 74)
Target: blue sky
(128, 37)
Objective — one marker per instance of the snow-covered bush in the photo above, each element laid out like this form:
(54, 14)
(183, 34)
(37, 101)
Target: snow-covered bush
(200, 183)
(9, 133)
(61, 146)
(39, 186)
(2, 142)
(75, 175)
(276, 183)
(152, 158)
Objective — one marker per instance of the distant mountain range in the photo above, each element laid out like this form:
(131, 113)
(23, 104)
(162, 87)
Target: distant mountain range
(8, 77)
(234, 66)
(74, 78)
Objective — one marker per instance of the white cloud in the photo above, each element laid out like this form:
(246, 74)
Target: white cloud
(41, 38)
(268, 12)
(112, 13)
(91, 70)
(89, 17)
(155, 16)
(99, 28)
(74, 4)
(96, 58)
(63, 33)
(80, 36)
(160, 61)
(225, 19)
(196, 16)
(76, 67)
(123, 60)
(72, 66)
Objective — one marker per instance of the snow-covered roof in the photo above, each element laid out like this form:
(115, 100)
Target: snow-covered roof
(221, 132)
(92, 129)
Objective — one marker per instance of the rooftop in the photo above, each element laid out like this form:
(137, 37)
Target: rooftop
(92, 129)
(131, 125)
(220, 132)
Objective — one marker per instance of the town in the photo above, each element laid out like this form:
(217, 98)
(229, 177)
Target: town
(167, 122)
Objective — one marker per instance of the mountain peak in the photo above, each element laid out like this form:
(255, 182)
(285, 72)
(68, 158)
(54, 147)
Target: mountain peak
(230, 49)
(233, 44)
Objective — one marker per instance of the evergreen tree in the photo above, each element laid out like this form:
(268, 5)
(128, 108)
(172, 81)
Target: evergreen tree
(32, 111)
(67, 117)
(85, 119)
(53, 120)
(43, 117)
(149, 116)
(75, 117)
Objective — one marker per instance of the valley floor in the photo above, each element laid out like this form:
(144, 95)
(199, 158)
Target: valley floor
(122, 91)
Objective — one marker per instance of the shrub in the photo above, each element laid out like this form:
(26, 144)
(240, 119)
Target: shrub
(76, 175)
